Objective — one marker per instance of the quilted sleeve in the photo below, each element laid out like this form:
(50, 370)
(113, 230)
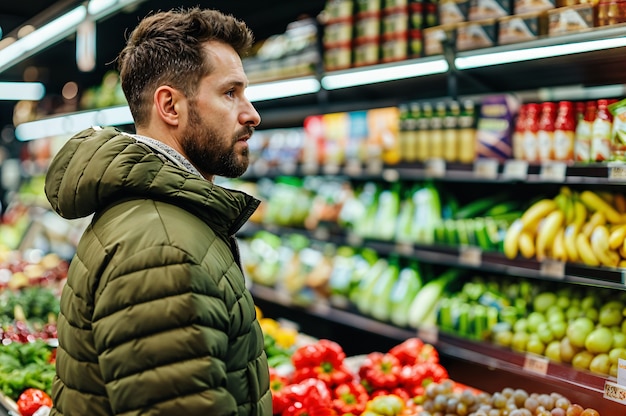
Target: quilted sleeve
(160, 330)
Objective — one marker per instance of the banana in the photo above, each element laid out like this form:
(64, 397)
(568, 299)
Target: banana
(600, 247)
(558, 246)
(526, 244)
(511, 239)
(595, 202)
(547, 232)
(585, 251)
(569, 241)
(597, 218)
(580, 213)
(536, 212)
(617, 236)
(622, 264)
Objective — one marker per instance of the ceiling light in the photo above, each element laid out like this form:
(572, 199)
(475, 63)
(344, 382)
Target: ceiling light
(18, 91)
(353, 78)
(41, 38)
(282, 89)
(518, 55)
(71, 124)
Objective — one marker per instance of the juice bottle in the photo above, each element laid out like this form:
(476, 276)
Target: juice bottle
(601, 130)
(423, 132)
(530, 133)
(436, 131)
(582, 144)
(450, 132)
(564, 129)
(404, 132)
(518, 133)
(545, 133)
(467, 132)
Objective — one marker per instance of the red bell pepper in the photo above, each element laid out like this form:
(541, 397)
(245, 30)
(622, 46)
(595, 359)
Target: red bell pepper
(323, 360)
(414, 350)
(310, 397)
(415, 378)
(278, 386)
(31, 400)
(380, 371)
(407, 351)
(350, 398)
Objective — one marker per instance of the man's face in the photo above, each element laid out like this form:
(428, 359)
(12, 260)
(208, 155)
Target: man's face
(220, 118)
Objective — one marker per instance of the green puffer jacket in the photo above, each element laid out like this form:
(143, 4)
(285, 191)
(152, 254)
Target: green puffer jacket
(155, 316)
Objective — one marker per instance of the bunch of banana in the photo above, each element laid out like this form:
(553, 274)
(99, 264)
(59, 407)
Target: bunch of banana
(586, 226)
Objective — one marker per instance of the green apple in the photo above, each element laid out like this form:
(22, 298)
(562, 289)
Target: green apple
(568, 351)
(519, 341)
(503, 338)
(558, 329)
(613, 370)
(563, 302)
(619, 340)
(610, 316)
(553, 351)
(534, 319)
(616, 353)
(535, 345)
(573, 312)
(544, 332)
(600, 364)
(578, 330)
(587, 302)
(599, 340)
(521, 325)
(582, 360)
(543, 301)
(555, 314)
(592, 313)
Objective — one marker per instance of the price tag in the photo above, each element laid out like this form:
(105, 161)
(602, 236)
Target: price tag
(536, 364)
(353, 168)
(615, 392)
(621, 372)
(552, 268)
(391, 175)
(617, 171)
(310, 168)
(354, 240)
(470, 256)
(486, 168)
(374, 167)
(515, 169)
(428, 334)
(435, 168)
(321, 233)
(331, 169)
(405, 248)
(553, 171)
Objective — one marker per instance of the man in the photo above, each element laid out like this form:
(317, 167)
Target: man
(155, 316)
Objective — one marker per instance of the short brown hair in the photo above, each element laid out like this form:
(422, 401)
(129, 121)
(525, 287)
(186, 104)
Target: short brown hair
(166, 48)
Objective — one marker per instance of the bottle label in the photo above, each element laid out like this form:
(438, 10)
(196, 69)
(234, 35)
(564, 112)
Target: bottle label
(563, 145)
(544, 145)
(601, 141)
(530, 147)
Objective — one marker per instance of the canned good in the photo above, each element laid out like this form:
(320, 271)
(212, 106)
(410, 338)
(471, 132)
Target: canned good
(395, 47)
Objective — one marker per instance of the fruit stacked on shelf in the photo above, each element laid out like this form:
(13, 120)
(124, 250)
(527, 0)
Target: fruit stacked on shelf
(585, 227)
(416, 213)
(582, 326)
(407, 380)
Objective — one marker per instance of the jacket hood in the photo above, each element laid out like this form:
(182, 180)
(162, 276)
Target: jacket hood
(100, 166)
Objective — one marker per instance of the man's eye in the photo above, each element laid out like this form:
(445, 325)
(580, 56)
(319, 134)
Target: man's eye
(230, 93)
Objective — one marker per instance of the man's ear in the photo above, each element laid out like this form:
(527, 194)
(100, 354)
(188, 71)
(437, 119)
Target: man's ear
(167, 101)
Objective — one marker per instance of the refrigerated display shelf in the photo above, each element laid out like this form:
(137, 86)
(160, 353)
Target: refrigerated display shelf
(468, 257)
(488, 362)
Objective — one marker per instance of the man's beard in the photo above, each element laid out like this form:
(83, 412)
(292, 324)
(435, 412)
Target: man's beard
(212, 154)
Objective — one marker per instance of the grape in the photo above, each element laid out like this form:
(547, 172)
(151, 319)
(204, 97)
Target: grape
(562, 403)
(557, 411)
(520, 397)
(574, 410)
(531, 404)
(546, 401)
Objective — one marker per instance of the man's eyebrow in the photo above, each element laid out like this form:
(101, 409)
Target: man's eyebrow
(236, 83)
